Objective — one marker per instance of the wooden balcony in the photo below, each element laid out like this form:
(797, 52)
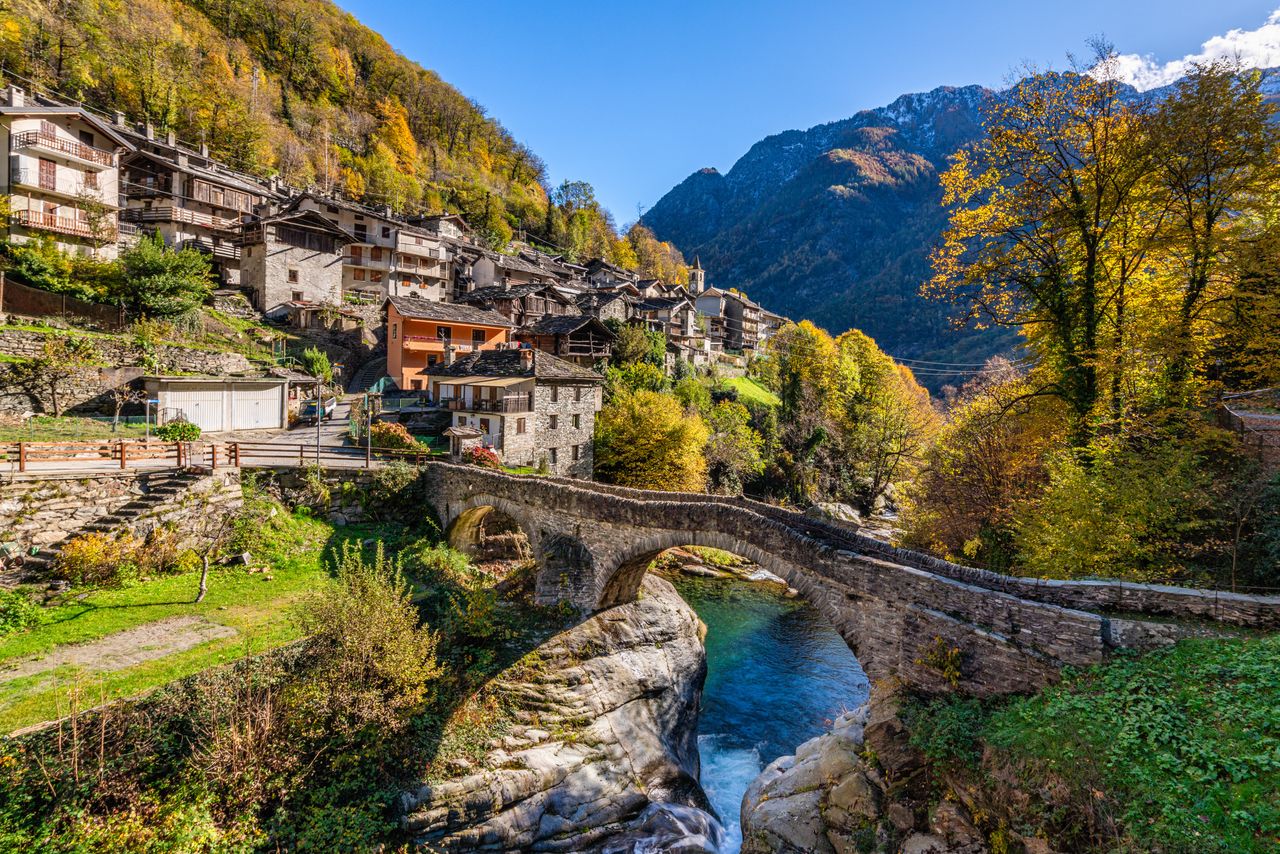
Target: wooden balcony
(508, 403)
(217, 250)
(172, 213)
(54, 144)
(432, 344)
(59, 224)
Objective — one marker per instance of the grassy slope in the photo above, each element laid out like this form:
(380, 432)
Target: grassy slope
(49, 429)
(750, 390)
(1181, 746)
(255, 607)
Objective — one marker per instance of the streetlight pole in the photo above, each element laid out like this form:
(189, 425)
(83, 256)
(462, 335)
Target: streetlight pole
(319, 415)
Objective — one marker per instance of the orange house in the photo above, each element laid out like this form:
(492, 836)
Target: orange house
(421, 333)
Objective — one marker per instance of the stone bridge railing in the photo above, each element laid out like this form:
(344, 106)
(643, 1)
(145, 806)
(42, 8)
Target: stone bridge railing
(938, 625)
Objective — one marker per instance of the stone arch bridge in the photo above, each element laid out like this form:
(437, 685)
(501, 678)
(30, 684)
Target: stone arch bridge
(901, 612)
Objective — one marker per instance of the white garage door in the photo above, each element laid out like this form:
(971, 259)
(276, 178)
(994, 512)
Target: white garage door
(255, 407)
(200, 404)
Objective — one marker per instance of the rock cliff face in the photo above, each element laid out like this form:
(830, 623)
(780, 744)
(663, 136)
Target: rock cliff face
(605, 749)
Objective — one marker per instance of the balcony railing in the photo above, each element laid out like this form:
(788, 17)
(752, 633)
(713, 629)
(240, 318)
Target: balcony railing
(217, 250)
(59, 224)
(70, 147)
(508, 403)
(171, 213)
(430, 340)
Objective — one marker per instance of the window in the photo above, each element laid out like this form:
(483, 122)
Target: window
(577, 452)
(462, 421)
(293, 277)
(484, 425)
(555, 393)
(395, 327)
(520, 425)
(357, 254)
(552, 420)
(91, 180)
(386, 231)
(296, 296)
(417, 384)
(477, 338)
(362, 233)
(331, 208)
(577, 422)
(554, 455)
(577, 394)
(358, 274)
(86, 137)
(375, 254)
(431, 360)
(375, 275)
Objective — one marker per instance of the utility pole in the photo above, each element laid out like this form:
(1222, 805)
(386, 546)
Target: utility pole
(319, 415)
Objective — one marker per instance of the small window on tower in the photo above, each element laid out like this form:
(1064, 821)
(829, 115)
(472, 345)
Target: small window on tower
(293, 277)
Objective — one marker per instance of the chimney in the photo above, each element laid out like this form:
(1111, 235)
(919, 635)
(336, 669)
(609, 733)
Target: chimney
(119, 117)
(448, 354)
(204, 149)
(15, 96)
(150, 130)
(171, 138)
(526, 358)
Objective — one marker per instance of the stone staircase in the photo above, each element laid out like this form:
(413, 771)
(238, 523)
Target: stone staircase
(161, 490)
(374, 369)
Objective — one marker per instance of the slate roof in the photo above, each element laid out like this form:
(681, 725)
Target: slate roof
(446, 311)
(511, 363)
(563, 324)
(497, 292)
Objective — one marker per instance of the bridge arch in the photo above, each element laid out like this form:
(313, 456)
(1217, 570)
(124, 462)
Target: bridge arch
(464, 522)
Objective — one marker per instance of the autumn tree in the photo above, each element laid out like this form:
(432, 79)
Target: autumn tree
(646, 439)
(47, 378)
(733, 450)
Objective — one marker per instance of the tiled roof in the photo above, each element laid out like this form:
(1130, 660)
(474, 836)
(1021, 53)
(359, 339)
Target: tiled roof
(446, 311)
(511, 363)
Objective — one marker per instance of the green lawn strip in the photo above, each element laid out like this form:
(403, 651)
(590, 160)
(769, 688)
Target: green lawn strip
(750, 390)
(49, 429)
(295, 548)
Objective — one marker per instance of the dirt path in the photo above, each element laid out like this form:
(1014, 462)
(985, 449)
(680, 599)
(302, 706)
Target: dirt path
(124, 649)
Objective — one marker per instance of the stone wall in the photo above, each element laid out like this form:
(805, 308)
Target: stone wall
(124, 361)
(48, 511)
(569, 401)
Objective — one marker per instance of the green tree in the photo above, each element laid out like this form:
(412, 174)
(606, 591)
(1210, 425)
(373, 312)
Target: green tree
(62, 360)
(647, 440)
(157, 281)
(316, 363)
(733, 449)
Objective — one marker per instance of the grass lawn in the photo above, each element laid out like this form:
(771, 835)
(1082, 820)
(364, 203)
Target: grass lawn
(255, 607)
(750, 390)
(46, 428)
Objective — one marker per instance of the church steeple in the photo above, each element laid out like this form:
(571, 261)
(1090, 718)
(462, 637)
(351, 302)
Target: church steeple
(697, 276)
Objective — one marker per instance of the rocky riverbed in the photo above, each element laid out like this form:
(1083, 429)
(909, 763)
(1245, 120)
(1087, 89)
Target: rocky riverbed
(602, 754)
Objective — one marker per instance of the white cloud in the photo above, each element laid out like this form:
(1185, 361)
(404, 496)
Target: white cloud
(1258, 48)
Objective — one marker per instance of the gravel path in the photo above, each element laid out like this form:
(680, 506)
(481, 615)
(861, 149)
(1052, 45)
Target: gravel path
(123, 649)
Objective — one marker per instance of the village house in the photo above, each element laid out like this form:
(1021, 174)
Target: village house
(601, 274)
(497, 269)
(578, 338)
(530, 407)
(189, 199)
(292, 259)
(63, 175)
(422, 334)
(677, 319)
(522, 304)
(733, 320)
(613, 304)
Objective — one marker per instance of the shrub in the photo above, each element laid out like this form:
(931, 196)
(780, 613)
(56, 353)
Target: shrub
(316, 362)
(372, 662)
(394, 437)
(18, 612)
(98, 558)
(178, 431)
(482, 456)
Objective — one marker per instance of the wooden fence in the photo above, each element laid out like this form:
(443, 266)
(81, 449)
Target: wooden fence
(17, 298)
(34, 457)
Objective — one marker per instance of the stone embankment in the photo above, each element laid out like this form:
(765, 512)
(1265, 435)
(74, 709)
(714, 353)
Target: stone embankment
(602, 751)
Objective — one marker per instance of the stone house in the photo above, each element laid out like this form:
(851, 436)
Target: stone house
(292, 257)
(497, 269)
(422, 334)
(63, 175)
(600, 273)
(529, 406)
(189, 199)
(579, 338)
(678, 319)
(522, 304)
(734, 320)
(606, 304)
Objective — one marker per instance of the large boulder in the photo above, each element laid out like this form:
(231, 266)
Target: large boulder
(606, 747)
(834, 511)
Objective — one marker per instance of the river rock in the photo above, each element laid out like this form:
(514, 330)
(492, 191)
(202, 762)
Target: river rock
(616, 699)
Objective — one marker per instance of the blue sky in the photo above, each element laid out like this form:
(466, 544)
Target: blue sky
(635, 96)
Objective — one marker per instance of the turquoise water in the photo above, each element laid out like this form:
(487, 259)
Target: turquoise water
(777, 675)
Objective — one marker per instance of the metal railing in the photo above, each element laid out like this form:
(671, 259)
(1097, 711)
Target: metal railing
(71, 147)
(510, 403)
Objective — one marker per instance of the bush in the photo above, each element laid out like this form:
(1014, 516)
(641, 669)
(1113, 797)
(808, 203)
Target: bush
(98, 558)
(18, 612)
(394, 437)
(372, 662)
(482, 456)
(178, 431)
(316, 363)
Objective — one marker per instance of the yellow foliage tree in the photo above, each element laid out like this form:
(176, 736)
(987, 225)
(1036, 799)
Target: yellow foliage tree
(647, 440)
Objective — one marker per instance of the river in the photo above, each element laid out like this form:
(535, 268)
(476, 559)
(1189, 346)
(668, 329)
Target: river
(777, 675)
